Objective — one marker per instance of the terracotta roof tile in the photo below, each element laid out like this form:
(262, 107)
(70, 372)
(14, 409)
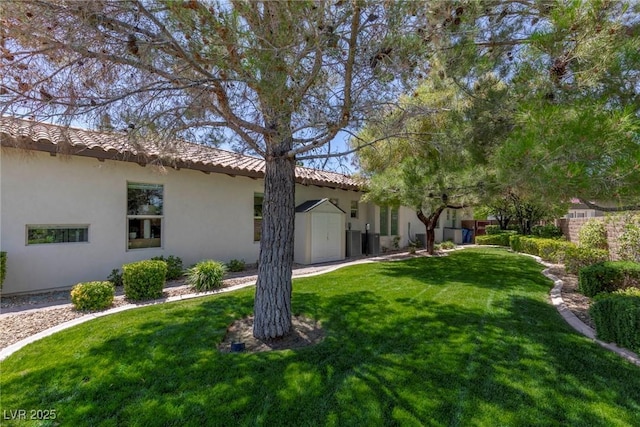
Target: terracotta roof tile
(117, 146)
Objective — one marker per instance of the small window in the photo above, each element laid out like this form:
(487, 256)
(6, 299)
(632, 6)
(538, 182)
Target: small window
(258, 200)
(394, 221)
(145, 208)
(44, 234)
(354, 209)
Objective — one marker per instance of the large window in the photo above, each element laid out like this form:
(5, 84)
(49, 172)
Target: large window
(43, 234)
(258, 199)
(388, 221)
(144, 215)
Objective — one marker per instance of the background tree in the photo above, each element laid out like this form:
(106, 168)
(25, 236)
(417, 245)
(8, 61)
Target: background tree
(426, 166)
(561, 118)
(281, 78)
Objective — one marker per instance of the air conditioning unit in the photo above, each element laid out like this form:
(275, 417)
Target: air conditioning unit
(354, 243)
(371, 243)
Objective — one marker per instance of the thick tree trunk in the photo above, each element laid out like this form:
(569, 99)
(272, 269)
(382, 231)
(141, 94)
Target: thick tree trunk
(272, 306)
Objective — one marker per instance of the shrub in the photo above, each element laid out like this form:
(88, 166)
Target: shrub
(576, 258)
(617, 318)
(553, 250)
(144, 279)
(492, 229)
(3, 267)
(593, 235)
(236, 265)
(548, 231)
(629, 240)
(608, 277)
(92, 295)
(206, 275)
(115, 277)
(174, 266)
(501, 239)
(515, 242)
(447, 244)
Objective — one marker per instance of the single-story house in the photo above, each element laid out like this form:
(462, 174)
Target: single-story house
(578, 209)
(76, 204)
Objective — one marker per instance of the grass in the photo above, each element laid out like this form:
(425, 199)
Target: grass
(467, 339)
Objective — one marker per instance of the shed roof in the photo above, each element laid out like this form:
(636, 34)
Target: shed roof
(51, 138)
(310, 205)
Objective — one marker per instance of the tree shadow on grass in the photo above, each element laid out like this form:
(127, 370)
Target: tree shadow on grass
(387, 359)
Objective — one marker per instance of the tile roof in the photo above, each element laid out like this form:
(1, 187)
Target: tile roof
(181, 154)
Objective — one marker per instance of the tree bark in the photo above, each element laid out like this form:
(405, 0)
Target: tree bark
(272, 305)
(430, 225)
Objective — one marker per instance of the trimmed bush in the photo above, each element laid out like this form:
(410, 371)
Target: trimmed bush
(608, 277)
(144, 279)
(174, 266)
(593, 235)
(3, 267)
(617, 318)
(548, 231)
(92, 296)
(206, 275)
(576, 258)
(553, 250)
(236, 265)
(492, 229)
(500, 239)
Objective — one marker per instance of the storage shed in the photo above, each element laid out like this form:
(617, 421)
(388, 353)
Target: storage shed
(320, 233)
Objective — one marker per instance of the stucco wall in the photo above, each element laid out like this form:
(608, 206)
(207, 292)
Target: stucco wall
(205, 216)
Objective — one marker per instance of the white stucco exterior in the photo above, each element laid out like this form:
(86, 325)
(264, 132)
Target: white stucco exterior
(205, 216)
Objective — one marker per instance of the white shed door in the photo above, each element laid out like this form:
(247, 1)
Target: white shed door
(326, 233)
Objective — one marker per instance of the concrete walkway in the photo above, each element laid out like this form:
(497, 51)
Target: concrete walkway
(555, 296)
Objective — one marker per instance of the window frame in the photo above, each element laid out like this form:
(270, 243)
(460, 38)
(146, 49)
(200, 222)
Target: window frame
(29, 227)
(354, 211)
(145, 216)
(394, 221)
(384, 225)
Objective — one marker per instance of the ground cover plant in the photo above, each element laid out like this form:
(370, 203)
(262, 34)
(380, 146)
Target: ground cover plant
(463, 339)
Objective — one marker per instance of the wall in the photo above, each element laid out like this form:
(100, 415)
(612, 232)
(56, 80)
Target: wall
(205, 216)
(571, 228)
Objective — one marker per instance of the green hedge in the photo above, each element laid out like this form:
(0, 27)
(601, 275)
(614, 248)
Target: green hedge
(144, 279)
(548, 231)
(552, 250)
(3, 267)
(174, 266)
(577, 258)
(617, 318)
(92, 295)
(501, 239)
(608, 277)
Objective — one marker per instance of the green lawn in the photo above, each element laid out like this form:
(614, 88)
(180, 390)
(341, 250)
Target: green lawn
(467, 339)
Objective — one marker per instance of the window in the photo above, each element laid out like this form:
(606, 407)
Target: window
(394, 221)
(454, 216)
(448, 215)
(354, 209)
(144, 215)
(43, 234)
(384, 221)
(258, 199)
(388, 221)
